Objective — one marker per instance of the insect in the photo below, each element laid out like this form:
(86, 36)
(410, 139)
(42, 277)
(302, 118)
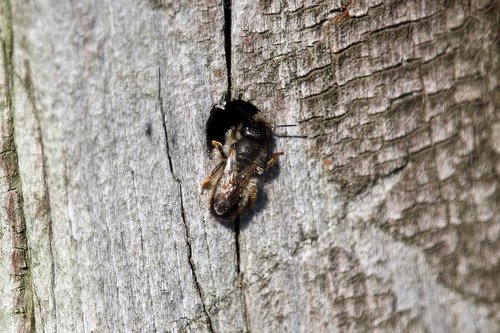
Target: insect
(242, 158)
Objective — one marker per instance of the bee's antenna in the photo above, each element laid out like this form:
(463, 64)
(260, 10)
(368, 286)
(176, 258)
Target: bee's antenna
(288, 136)
(291, 136)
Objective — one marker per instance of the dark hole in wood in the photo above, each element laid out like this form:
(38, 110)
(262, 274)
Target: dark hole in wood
(221, 120)
(149, 129)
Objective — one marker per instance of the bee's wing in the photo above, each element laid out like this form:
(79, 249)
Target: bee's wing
(231, 185)
(226, 194)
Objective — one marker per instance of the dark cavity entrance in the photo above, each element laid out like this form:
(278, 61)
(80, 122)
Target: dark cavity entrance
(221, 120)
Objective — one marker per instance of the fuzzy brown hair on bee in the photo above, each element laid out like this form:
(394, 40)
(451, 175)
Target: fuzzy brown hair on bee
(243, 157)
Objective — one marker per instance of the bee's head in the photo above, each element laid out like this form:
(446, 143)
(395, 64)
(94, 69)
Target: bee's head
(258, 130)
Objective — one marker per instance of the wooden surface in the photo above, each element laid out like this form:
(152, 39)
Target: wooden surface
(385, 218)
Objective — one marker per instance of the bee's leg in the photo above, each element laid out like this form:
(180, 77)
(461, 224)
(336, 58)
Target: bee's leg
(212, 178)
(272, 160)
(206, 182)
(218, 145)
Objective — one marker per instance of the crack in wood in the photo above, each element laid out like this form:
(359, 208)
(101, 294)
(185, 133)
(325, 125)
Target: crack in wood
(228, 52)
(164, 124)
(183, 215)
(191, 262)
(237, 243)
(227, 43)
(240, 274)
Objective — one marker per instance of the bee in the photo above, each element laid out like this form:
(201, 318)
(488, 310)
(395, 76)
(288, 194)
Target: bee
(244, 156)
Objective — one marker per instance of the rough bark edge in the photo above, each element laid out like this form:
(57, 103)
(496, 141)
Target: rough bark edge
(13, 200)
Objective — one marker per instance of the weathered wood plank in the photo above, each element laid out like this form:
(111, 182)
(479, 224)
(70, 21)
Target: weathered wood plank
(386, 218)
(111, 101)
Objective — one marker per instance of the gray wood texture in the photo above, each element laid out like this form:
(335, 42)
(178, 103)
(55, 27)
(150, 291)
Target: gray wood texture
(384, 218)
